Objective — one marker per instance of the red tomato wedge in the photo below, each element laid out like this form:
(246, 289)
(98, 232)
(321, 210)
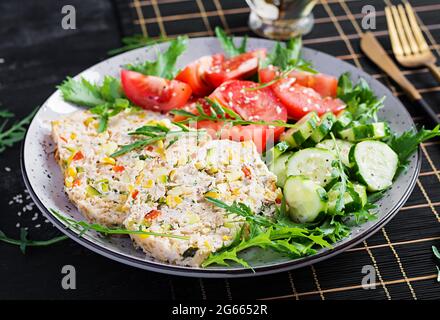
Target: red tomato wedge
(154, 93)
(300, 100)
(253, 105)
(238, 67)
(324, 84)
(194, 74)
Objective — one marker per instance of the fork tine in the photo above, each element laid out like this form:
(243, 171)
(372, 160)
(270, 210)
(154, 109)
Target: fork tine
(409, 35)
(423, 46)
(395, 42)
(400, 31)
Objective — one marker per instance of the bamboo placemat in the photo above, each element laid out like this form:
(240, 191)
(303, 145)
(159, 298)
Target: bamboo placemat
(400, 253)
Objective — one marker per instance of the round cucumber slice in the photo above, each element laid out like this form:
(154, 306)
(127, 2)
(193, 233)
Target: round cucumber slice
(313, 163)
(305, 198)
(375, 164)
(343, 146)
(362, 132)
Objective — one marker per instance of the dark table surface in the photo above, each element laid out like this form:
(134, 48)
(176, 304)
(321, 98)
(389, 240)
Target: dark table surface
(36, 54)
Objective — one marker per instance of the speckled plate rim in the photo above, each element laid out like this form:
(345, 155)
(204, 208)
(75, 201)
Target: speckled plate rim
(233, 272)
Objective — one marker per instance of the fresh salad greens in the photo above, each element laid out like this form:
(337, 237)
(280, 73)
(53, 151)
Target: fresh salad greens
(228, 45)
(361, 101)
(104, 100)
(165, 64)
(282, 236)
(287, 56)
(137, 41)
(15, 132)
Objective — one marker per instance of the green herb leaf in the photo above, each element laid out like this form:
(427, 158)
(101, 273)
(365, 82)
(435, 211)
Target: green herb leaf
(24, 242)
(15, 133)
(6, 114)
(111, 89)
(137, 41)
(360, 99)
(288, 56)
(83, 227)
(436, 252)
(164, 66)
(228, 45)
(81, 92)
(407, 143)
(218, 114)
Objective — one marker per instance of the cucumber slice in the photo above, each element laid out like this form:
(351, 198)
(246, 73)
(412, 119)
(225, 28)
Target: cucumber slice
(361, 190)
(313, 163)
(350, 204)
(302, 131)
(305, 198)
(342, 121)
(362, 132)
(277, 150)
(343, 146)
(324, 127)
(279, 168)
(375, 164)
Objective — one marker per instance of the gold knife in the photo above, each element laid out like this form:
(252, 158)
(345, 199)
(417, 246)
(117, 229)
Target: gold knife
(374, 50)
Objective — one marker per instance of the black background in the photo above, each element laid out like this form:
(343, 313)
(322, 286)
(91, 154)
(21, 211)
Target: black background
(38, 54)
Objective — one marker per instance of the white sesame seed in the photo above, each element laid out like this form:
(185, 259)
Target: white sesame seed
(7, 169)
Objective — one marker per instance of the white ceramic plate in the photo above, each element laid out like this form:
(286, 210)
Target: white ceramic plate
(45, 182)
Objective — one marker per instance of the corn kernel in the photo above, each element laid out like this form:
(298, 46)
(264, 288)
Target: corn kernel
(88, 121)
(144, 236)
(108, 160)
(162, 179)
(139, 178)
(148, 184)
(212, 170)
(173, 201)
(208, 245)
(226, 238)
(68, 182)
(71, 172)
(73, 136)
(212, 194)
(172, 175)
(199, 165)
(236, 191)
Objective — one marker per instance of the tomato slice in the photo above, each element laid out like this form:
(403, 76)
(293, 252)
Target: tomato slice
(324, 84)
(154, 93)
(238, 67)
(194, 74)
(300, 100)
(254, 105)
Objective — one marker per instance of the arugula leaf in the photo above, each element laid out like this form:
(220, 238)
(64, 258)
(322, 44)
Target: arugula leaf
(218, 114)
(360, 99)
(24, 242)
(6, 114)
(15, 132)
(291, 240)
(407, 143)
(83, 227)
(288, 56)
(164, 66)
(137, 41)
(227, 43)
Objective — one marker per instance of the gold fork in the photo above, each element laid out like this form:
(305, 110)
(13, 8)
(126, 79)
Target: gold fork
(409, 45)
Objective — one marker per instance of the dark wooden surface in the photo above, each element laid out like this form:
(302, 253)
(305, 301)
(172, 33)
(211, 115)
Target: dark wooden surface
(38, 54)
